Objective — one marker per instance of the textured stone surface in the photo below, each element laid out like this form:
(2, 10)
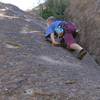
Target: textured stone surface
(31, 69)
(86, 14)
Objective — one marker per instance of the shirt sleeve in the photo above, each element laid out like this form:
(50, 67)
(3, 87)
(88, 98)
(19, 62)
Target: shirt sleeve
(49, 31)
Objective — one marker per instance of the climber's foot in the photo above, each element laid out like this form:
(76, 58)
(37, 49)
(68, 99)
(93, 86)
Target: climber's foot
(81, 54)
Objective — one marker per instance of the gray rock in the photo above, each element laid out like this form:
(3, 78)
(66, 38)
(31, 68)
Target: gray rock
(38, 71)
(86, 14)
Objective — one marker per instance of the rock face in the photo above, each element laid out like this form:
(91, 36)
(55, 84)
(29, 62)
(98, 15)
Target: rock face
(86, 14)
(13, 19)
(31, 69)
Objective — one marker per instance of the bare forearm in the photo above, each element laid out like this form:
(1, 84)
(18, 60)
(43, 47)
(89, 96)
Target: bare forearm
(53, 37)
(54, 42)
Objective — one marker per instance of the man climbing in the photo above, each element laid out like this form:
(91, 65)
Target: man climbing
(65, 31)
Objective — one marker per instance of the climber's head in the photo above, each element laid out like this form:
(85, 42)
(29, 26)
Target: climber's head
(50, 20)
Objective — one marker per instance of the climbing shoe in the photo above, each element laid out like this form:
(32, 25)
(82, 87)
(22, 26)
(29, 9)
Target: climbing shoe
(81, 54)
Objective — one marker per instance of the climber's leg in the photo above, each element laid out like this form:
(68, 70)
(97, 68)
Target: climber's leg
(71, 43)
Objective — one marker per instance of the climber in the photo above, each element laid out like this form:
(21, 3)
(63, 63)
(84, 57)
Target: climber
(65, 31)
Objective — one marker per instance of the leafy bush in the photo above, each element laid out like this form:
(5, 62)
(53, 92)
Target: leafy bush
(54, 8)
(46, 13)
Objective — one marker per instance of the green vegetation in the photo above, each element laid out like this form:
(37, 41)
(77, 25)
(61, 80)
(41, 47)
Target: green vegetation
(54, 8)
